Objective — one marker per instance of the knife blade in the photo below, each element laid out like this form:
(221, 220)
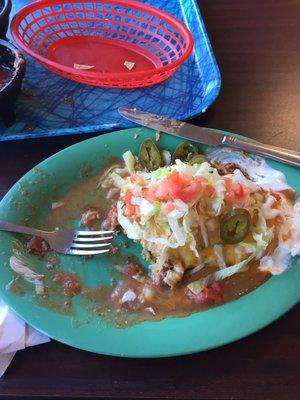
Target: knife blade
(208, 136)
(173, 127)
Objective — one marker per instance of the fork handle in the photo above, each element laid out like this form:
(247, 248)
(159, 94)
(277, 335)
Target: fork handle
(10, 227)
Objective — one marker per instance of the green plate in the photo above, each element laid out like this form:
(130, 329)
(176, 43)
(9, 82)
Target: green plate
(172, 336)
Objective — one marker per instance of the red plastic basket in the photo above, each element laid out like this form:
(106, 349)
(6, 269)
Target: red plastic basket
(103, 35)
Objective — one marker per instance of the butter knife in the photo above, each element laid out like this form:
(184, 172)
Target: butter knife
(208, 136)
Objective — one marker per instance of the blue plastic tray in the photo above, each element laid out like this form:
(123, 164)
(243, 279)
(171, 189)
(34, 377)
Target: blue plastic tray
(51, 106)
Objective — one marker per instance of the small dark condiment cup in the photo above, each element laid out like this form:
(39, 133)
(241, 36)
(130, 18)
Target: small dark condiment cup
(12, 71)
(5, 8)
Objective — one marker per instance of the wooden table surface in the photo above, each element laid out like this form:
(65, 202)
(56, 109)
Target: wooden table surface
(257, 45)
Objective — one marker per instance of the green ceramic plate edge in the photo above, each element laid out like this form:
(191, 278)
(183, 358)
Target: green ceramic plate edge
(172, 336)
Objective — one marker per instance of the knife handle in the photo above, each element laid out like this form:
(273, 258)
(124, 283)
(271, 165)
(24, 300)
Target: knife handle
(276, 153)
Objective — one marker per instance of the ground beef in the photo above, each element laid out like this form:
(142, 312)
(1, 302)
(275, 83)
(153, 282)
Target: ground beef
(69, 282)
(131, 268)
(111, 222)
(37, 245)
(89, 217)
(225, 169)
(52, 262)
(170, 274)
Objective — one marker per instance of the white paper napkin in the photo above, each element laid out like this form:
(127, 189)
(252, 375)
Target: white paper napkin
(15, 335)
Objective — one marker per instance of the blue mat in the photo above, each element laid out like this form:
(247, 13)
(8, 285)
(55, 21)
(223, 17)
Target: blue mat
(51, 106)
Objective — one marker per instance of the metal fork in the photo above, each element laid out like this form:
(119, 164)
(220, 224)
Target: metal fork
(66, 241)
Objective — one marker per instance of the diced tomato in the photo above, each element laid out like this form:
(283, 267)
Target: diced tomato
(212, 293)
(176, 186)
(175, 191)
(234, 191)
(238, 190)
(230, 198)
(162, 191)
(150, 194)
(129, 210)
(128, 197)
(228, 184)
(111, 221)
(209, 191)
(167, 207)
(217, 286)
(190, 192)
(134, 178)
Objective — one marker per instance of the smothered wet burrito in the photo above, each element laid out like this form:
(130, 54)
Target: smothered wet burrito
(211, 228)
(203, 219)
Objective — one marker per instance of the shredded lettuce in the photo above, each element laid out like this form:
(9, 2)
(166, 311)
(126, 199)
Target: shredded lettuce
(218, 249)
(239, 177)
(184, 168)
(118, 180)
(129, 161)
(178, 231)
(267, 210)
(187, 222)
(157, 208)
(203, 230)
(181, 205)
(176, 214)
(28, 274)
(248, 247)
(178, 227)
(218, 200)
(166, 155)
(154, 177)
(149, 210)
(197, 286)
(146, 208)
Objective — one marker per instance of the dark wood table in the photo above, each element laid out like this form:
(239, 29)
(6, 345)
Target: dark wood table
(258, 50)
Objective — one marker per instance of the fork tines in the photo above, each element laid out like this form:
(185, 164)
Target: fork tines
(91, 242)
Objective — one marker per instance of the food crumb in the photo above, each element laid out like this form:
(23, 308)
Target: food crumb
(83, 67)
(129, 65)
(88, 217)
(66, 99)
(57, 204)
(26, 93)
(114, 249)
(151, 310)
(52, 262)
(157, 136)
(23, 192)
(128, 296)
(135, 136)
(28, 128)
(84, 172)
